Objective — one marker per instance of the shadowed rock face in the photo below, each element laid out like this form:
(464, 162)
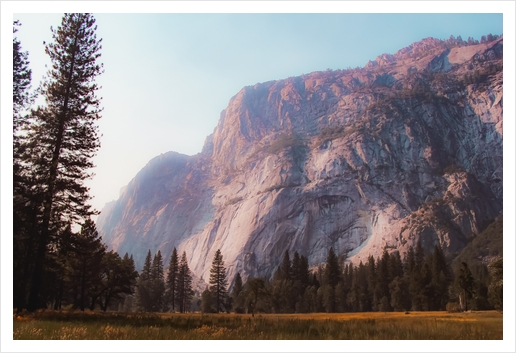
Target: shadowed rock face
(407, 148)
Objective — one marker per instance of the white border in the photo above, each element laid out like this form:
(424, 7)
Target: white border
(8, 8)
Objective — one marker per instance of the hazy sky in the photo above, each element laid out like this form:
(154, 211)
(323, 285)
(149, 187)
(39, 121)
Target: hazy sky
(168, 76)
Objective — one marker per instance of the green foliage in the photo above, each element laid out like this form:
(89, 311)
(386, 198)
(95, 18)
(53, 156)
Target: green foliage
(183, 290)
(218, 281)
(22, 77)
(170, 283)
(85, 264)
(54, 156)
(255, 290)
(206, 302)
(237, 294)
(118, 278)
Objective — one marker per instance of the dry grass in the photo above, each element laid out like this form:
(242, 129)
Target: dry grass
(355, 326)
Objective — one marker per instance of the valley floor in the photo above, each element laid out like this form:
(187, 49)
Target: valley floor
(64, 325)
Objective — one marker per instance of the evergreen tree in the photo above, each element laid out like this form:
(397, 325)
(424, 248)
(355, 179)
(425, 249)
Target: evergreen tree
(286, 267)
(400, 300)
(63, 136)
(157, 285)
(184, 292)
(218, 281)
(296, 267)
(206, 302)
(87, 252)
(173, 269)
(27, 194)
(255, 289)
(384, 279)
(332, 271)
(304, 272)
(143, 288)
(372, 283)
(22, 77)
(237, 294)
(118, 278)
(441, 278)
(331, 277)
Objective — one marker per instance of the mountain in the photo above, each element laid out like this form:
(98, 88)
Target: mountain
(407, 148)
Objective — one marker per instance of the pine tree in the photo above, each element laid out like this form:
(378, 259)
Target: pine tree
(296, 267)
(286, 266)
(304, 271)
(143, 289)
(218, 281)
(157, 285)
(441, 278)
(22, 77)
(173, 269)
(184, 290)
(332, 272)
(25, 195)
(331, 277)
(236, 294)
(86, 253)
(63, 136)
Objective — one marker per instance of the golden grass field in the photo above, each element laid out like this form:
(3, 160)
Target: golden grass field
(65, 325)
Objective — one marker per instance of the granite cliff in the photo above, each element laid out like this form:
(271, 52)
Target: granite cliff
(407, 148)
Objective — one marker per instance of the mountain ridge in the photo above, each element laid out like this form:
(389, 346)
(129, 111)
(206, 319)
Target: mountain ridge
(407, 149)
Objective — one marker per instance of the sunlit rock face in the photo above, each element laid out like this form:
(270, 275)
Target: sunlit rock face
(408, 148)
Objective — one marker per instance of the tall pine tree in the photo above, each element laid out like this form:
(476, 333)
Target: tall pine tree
(24, 196)
(157, 285)
(170, 283)
(184, 290)
(143, 288)
(218, 281)
(63, 136)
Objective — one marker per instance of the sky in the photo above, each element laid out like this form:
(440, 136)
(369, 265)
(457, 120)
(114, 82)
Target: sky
(169, 75)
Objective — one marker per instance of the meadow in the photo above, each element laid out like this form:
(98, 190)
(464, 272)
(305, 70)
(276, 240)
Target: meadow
(68, 325)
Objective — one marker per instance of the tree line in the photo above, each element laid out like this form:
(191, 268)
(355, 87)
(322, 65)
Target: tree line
(420, 282)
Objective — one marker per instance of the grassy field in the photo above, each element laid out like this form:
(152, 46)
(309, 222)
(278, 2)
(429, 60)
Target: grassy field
(349, 326)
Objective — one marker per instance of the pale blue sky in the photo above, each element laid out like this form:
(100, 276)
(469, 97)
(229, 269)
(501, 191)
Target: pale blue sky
(168, 76)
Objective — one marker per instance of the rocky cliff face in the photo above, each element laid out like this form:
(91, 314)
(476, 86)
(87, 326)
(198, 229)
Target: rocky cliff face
(408, 148)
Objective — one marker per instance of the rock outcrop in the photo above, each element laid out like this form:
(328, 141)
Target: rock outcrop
(408, 148)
